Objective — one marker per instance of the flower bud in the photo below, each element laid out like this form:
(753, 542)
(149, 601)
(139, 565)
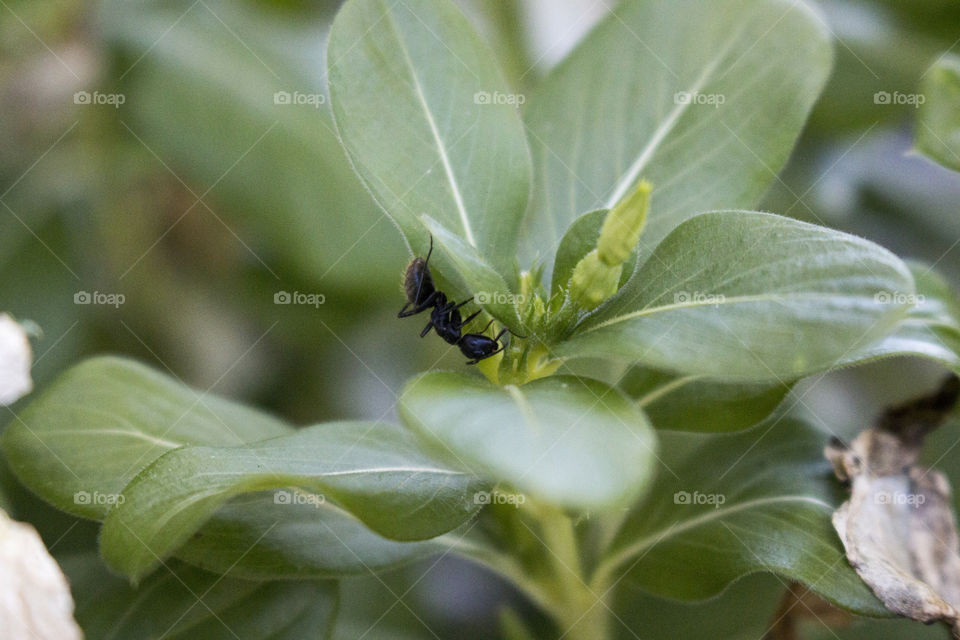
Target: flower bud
(623, 225)
(593, 281)
(597, 276)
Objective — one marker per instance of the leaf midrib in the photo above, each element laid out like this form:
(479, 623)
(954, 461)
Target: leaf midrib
(768, 297)
(441, 148)
(666, 127)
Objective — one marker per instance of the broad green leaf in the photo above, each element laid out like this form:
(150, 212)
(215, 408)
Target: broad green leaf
(694, 403)
(84, 438)
(736, 504)
(568, 441)
(706, 103)
(938, 121)
(255, 536)
(374, 470)
(751, 296)
(744, 611)
(200, 81)
(408, 82)
(871, 629)
(184, 602)
(931, 328)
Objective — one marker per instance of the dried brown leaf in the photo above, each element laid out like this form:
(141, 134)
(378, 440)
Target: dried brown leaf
(898, 527)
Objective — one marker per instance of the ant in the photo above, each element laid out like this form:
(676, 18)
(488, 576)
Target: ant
(445, 317)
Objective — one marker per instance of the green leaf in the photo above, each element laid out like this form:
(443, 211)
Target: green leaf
(694, 403)
(254, 536)
(373, 470)
(569, 441)
(751, 296)
(744, 611)
(405, 81)
(185, 602)
(938, 121)
(105, 419)
(760, 500)
(613, 112)
(872, 629)
(931, 328)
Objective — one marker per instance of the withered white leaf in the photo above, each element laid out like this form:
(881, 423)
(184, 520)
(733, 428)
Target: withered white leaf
(898, 527)
(15, 360)
(35, 601)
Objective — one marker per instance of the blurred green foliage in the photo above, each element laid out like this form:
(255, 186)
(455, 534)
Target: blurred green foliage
(198, 200)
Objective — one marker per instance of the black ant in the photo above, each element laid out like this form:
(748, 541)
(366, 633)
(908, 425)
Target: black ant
(445, 317)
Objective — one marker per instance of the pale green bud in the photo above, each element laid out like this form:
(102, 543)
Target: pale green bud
(623, 225)
(597, 276)
(593, 281)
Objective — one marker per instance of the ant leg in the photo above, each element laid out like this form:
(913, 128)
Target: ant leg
(412, 312)
(426, 304)
(469, 318)
(449, 307)
(427, 260)
(426, 329)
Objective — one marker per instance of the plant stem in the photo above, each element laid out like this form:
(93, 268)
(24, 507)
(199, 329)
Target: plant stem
(560, 588)
(583, 612)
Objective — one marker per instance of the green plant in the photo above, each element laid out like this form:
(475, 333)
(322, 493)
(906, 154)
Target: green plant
(609, 224)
